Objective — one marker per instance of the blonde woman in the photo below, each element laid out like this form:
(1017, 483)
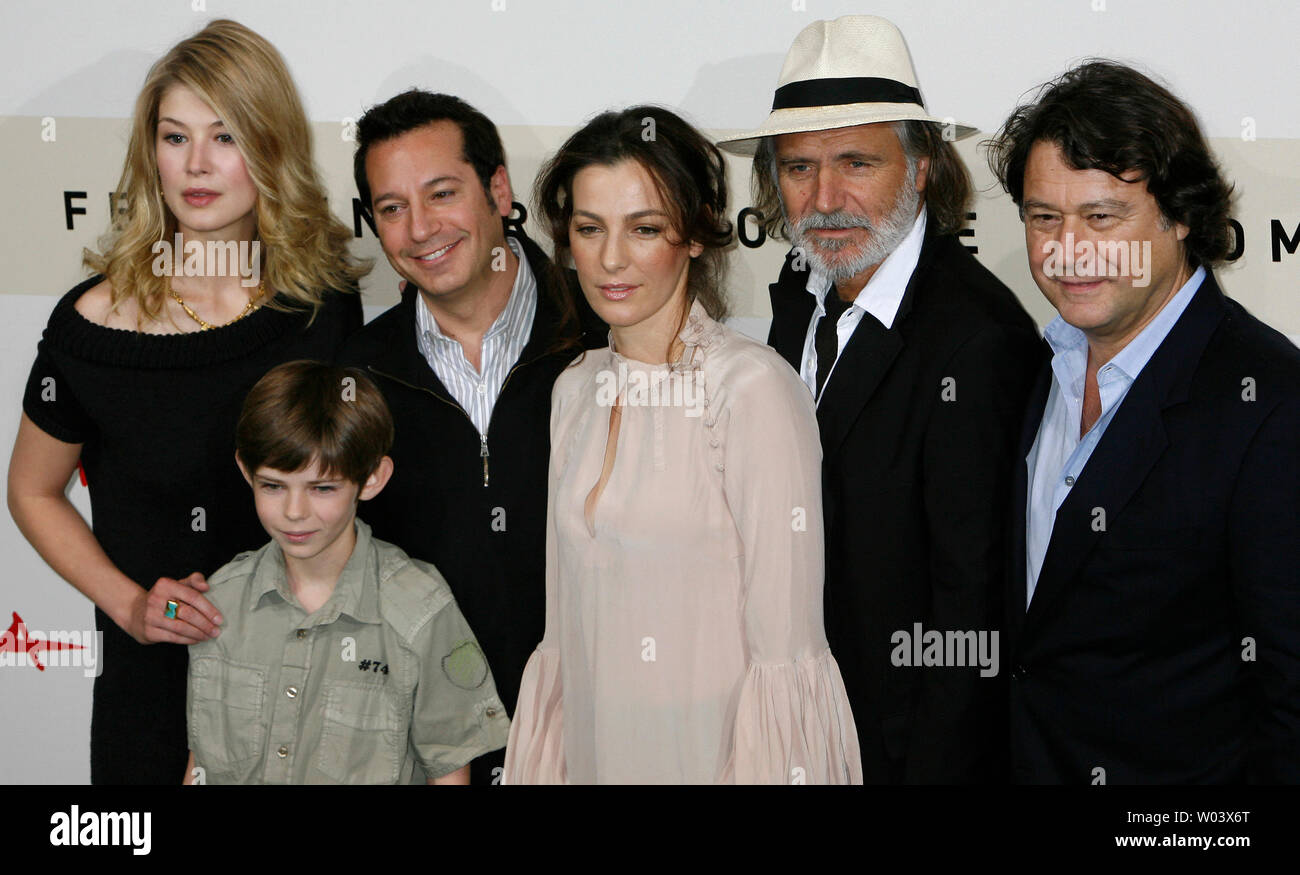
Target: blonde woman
(225, 263)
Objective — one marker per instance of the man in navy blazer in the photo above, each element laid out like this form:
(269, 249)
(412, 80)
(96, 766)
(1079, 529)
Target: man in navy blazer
(1154, 592)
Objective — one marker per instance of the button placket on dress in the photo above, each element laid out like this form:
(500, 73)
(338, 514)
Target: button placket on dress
(698, 339)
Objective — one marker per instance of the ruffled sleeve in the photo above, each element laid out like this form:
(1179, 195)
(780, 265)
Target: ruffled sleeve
(535, 752)
(794, 726)
(793, 722)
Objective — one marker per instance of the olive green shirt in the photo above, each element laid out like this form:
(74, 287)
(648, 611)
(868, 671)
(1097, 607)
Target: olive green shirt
(387, 674)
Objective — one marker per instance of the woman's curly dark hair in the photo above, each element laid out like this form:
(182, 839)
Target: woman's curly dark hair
(1106, 116)
(687, 171)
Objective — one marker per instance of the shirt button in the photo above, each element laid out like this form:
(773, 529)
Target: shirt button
(713, 442)
(1069, 481)
(719, 466)
(291, 692)
(302, 633)
(282, 752)
(482, 389)
(491, 712)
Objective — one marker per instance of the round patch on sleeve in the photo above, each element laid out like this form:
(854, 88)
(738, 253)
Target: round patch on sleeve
(465, 666)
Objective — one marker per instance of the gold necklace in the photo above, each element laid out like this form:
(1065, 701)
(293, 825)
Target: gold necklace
(204, 326)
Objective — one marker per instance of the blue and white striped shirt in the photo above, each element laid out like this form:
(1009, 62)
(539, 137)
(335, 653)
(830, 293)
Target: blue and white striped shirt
(477, 391)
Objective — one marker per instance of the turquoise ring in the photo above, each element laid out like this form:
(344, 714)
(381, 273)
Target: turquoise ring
(170, 612)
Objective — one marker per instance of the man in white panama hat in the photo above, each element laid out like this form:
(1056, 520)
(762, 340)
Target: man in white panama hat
(919, 359)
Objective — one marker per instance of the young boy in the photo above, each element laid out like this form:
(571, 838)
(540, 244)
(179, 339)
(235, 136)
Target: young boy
(340, 659)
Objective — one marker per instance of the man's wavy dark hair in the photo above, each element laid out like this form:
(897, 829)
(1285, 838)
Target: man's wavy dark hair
(412, 110)
(1107, 116)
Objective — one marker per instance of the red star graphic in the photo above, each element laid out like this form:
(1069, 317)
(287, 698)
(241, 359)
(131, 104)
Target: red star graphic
(9, 642)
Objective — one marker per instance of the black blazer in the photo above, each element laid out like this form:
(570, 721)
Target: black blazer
(915, 481)
(1132, 663)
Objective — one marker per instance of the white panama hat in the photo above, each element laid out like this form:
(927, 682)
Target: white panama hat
(855, 70)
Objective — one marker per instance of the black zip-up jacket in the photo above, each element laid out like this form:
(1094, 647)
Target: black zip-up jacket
(485, 534)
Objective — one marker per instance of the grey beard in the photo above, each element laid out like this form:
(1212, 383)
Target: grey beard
(883, 238)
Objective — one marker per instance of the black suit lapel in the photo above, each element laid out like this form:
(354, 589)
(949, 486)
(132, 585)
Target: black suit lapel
(1016, 567)
(1037, 403)
(866, 359)
(792, 309)
(869, 354)
(1133, 442)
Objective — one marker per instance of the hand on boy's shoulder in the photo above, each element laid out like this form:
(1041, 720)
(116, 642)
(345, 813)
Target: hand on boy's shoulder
(227, 584)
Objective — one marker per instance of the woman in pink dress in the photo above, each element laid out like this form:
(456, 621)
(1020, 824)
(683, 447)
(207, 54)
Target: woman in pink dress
(684, 639)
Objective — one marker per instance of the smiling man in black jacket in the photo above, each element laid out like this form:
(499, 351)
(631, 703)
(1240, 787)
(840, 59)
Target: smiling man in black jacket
(466, 362)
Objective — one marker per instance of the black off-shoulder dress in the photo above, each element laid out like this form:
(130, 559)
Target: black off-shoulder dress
(156, 416)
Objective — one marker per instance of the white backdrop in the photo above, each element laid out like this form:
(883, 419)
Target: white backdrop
(539, 69)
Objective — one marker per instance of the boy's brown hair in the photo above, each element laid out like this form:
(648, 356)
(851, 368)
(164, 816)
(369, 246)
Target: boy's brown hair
(303, 411)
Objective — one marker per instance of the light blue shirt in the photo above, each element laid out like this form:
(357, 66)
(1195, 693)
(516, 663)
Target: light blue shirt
(1059, 455)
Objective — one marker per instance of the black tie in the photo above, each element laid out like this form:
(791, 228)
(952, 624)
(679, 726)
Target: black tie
(826, 340)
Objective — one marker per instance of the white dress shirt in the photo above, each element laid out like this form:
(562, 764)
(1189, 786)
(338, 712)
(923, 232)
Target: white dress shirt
(880, 297)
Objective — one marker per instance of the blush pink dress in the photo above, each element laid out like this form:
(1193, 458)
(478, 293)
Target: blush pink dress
(684, 639)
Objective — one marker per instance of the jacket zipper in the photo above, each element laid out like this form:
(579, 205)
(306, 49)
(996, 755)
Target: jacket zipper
(483, 443)
(483, 448)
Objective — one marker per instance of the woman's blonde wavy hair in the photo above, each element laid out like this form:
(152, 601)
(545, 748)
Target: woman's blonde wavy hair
(244, 80)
